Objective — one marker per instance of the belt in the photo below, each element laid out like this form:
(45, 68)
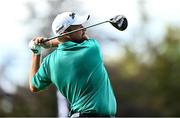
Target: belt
(75, 115)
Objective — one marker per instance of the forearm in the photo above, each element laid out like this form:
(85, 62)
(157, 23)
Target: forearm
(34, 68)
(51, 43)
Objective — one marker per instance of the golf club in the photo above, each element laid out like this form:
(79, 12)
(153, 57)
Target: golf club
(119, 22)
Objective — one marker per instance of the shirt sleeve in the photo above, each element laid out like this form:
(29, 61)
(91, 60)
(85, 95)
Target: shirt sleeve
(41, 79)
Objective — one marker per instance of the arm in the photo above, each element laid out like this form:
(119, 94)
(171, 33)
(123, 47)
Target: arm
(41, 78)
(51, 43)
(34, 68)
(48, 44)
(36, 58)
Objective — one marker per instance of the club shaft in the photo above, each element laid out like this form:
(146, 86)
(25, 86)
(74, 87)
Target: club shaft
(50, 38)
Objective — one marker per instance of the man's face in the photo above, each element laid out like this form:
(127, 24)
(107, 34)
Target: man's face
(76, 35)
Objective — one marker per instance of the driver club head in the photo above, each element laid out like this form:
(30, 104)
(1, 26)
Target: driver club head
(120, 22)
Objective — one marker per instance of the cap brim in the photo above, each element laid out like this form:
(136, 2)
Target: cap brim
(81, 19)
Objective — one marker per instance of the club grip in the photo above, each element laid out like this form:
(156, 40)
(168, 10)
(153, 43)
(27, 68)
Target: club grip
(45, 40)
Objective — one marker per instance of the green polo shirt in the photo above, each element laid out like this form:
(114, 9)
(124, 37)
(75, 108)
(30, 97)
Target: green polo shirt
(78, 72)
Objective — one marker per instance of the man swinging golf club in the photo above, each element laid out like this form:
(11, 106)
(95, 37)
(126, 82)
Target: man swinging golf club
(76, 68)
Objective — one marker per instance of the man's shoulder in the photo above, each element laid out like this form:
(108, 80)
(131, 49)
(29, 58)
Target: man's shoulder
(48, 57)
(92, 41)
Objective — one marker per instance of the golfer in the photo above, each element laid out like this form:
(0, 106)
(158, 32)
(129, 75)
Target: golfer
(76, 68)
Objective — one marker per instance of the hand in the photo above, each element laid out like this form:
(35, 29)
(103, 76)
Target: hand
(34, 46)
(40, 41)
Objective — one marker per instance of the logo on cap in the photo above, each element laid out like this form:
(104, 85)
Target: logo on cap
(72, 15)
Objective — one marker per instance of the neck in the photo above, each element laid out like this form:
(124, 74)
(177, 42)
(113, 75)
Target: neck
(77, 41)
(73, 40)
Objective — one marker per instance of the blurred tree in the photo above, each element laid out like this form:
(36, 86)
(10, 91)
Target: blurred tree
(24, 103)
(144, 89)
(148, 88)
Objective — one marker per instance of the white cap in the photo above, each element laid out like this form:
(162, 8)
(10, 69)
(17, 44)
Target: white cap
(65, 19)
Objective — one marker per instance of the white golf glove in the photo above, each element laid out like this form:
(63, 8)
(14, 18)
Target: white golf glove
(36, 49)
